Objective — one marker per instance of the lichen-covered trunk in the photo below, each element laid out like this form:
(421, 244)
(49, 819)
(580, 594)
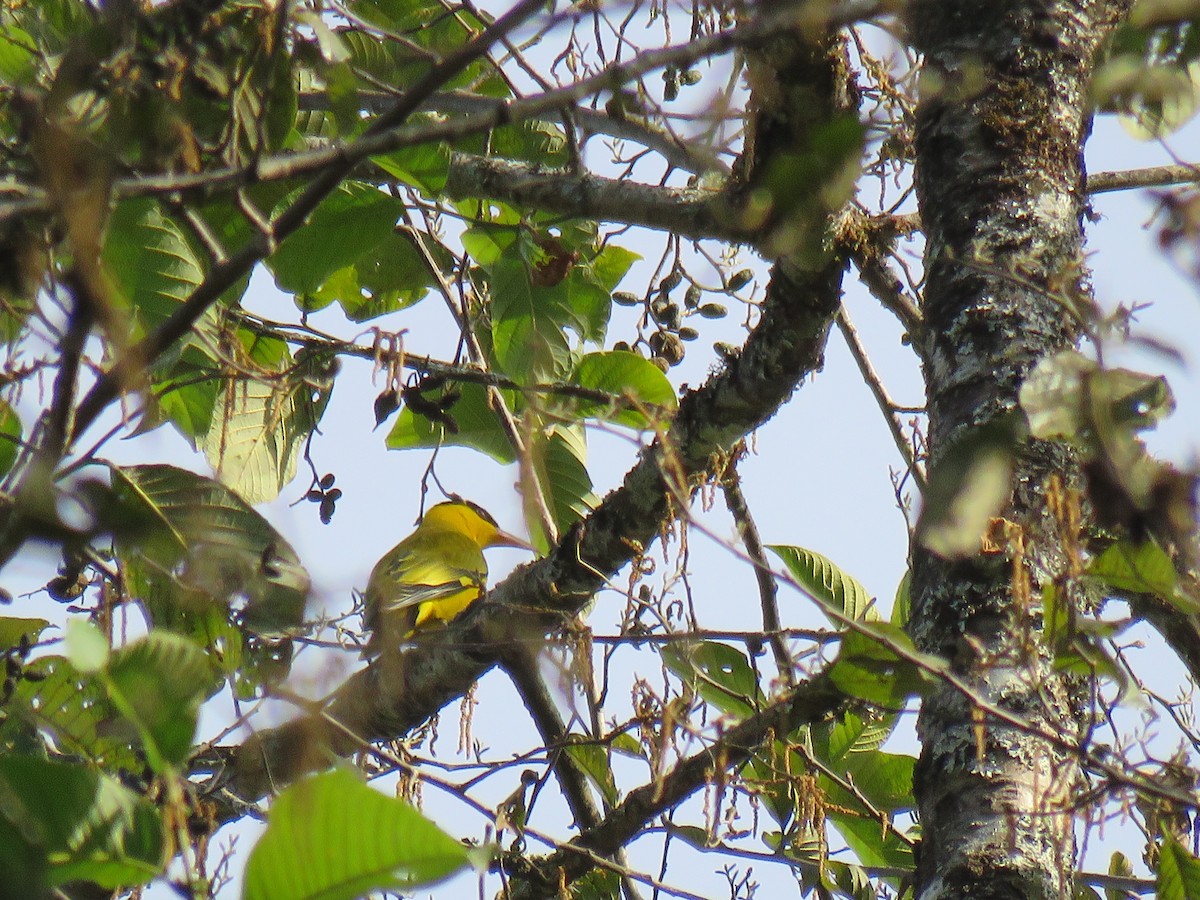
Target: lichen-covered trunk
(1003, 115)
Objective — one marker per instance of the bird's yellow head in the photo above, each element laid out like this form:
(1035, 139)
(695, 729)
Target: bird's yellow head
(466, 518)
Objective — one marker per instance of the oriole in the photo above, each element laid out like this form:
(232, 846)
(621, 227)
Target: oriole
(432, 575)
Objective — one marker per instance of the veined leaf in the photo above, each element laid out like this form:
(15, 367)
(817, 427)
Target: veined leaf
(13, 628)
(867, 667)
(560, 460)
(826, 583)
(331, 837)
(151, 264)
(158, 682)
(642, 386)
(1178, 872)
(200, 547)
(528, 323)
(341, 230)
(71, 707)
(259, 425)
(719, 673)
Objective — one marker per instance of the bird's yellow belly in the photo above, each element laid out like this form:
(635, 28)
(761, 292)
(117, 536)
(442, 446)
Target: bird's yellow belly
(445, 609)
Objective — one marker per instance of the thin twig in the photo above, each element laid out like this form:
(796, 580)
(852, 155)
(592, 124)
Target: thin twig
(767, 589)
(879, 392)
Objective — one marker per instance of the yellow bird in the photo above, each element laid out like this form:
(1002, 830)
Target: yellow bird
(432, 575)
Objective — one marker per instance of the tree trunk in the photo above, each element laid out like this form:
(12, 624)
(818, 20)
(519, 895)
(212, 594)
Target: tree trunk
(999, 139)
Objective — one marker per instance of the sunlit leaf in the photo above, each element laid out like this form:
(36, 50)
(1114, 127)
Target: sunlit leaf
(261, 420)
(350, 222)
(869, 668)
(1178, 876)
(719, 673)
(640, 390)
(559, 458)
(828, 584)
(592, 759)
(330, 837)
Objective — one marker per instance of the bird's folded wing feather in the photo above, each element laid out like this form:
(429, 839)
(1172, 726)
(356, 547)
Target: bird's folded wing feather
(409, 595)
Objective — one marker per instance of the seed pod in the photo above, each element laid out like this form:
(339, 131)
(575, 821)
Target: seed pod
(326, 510)
(689, 77)
(385, 404)
(667, 346)
(621, 345)
(739, 280)
(661, 363)
(713, 311)
(688, 334)
(691, 297)
(327, 480)
(667, 314)
(624, 298)
(671, 281)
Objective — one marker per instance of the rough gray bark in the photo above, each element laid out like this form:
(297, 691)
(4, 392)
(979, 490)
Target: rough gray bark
(999, 138)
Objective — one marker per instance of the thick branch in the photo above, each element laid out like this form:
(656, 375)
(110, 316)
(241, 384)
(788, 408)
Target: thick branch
(399, 691)
(810, 702)
(687, 212)
(999, 178)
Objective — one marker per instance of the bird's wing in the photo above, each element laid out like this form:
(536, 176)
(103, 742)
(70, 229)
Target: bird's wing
(405, 596)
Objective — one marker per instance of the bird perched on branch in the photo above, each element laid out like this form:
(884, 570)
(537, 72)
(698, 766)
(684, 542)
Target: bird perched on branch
(433, 575)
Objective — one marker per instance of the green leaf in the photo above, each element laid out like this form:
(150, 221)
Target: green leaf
(721, 674)
(527, 323)
(559, 458)
(476, 424)
(885, 779)
(640, 390)
(597, 884)
(151, 264)
(331, 837)
(424, 166)
(87, 648)
(67, 823)
(348, 224)
(867, 840)
(829, 585)
(71, 707)
(851, 735)
(868, 668)
(1178, 876)
(158, 682)
(18, 63)
(389, 277)
(260, 423)
(1143, 568)
(627, 745)
(199, 547)
(14, 628)
(902, 605)
(592, 759)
